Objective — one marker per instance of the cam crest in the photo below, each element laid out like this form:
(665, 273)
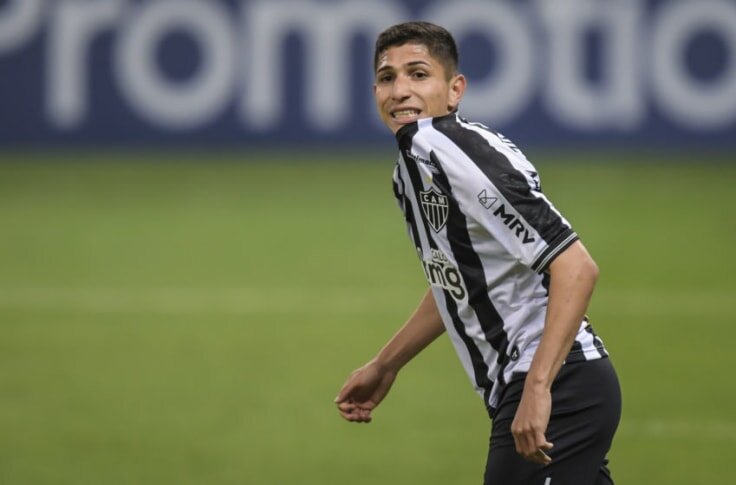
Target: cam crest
(435, 208)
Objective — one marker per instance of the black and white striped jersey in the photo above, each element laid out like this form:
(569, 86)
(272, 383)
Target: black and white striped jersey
(485, 234)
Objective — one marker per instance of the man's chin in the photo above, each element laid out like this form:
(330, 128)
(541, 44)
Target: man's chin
(397, 125)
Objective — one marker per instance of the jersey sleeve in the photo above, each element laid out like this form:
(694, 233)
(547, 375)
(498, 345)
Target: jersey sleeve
(404, 204)
(499, 192)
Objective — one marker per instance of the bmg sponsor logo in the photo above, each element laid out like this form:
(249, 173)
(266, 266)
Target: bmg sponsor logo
(441, 273)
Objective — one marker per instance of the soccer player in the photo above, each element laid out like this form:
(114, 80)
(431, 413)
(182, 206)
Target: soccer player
(509, 279)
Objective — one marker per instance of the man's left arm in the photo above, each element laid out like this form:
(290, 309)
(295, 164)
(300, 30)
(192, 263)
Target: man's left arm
(573, 274)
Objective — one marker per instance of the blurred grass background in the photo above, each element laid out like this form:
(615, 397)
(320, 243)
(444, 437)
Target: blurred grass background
(189, 318)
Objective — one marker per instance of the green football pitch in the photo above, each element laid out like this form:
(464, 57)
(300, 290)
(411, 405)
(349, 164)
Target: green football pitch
(189, 318)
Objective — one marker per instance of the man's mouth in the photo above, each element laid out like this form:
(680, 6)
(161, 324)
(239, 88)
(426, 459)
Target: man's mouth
(408, 114)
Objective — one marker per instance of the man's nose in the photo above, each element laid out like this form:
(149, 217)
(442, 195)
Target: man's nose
(400, 89)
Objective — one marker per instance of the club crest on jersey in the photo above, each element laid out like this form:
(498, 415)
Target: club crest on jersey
(435, 208)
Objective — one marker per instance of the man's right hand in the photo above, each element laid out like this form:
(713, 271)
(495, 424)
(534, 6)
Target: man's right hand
(367, 386)
(363, 391)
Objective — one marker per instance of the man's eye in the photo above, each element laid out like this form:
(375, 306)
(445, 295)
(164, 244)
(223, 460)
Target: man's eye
(385, 78)
(419, 75)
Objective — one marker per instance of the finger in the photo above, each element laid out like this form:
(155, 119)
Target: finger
(530, 449)
(368, 405)
(365, 415)
(518, 441)
(541, 457)
(347, 406)
(354, 416)
(546, 446)
(540, 441)
(526, 446)
(354, 412)
(541, 445)
(348, 410)
(349, 416)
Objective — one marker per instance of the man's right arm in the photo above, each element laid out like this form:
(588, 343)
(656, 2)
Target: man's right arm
(367, 386)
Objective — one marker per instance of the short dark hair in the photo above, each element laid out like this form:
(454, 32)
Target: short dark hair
(437, 39)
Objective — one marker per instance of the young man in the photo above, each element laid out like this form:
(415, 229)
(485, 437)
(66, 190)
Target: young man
(509, 280)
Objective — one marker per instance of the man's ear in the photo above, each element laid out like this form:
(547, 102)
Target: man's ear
(458, 83)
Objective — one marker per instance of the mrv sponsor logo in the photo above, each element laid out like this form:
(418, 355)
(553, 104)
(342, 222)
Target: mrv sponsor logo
(441, 273)
(514, 223)
(510, 220)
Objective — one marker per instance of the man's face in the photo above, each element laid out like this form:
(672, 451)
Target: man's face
(410, 84)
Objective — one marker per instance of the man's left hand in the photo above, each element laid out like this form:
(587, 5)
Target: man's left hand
(530, 424)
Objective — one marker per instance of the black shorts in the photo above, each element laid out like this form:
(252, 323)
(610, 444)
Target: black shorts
(586, 407)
